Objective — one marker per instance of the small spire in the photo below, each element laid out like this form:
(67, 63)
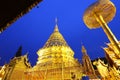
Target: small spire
(84, 50)
(56, 26)
(19, 52)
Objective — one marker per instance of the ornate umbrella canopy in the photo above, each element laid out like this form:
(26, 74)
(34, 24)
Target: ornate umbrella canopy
(105, 8)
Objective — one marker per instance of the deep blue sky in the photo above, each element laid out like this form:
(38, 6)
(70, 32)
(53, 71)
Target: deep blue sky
(33, 29)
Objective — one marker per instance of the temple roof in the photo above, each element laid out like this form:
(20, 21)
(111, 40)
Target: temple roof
(56, 39)
(11, 10)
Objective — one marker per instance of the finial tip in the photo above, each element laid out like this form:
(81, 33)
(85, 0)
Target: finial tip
(56, 27)
(56, 20)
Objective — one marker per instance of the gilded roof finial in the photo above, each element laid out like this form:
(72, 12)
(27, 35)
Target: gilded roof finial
(84, 50)
(56, 26)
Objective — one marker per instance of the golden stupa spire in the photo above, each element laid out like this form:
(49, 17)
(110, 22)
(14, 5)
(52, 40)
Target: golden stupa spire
(87, 65)
(56, 38)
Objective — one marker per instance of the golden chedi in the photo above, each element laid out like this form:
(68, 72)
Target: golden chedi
(56, 61)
